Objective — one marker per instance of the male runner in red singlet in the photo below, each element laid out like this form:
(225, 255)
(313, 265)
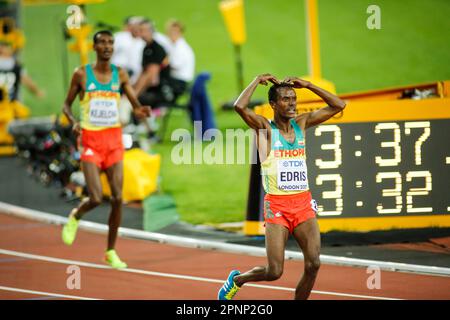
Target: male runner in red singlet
(288, 206)
(99, 86)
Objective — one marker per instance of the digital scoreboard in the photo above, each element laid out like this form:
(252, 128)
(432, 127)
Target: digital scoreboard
(383, 163)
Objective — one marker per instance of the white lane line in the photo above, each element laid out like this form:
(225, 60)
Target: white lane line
(42, 293)
(217, 245)
(174, 276)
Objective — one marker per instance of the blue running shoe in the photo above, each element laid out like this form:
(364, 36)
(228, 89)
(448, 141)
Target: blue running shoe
(229, 288)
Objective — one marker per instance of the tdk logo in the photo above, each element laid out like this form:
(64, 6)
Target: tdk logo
(293, 163)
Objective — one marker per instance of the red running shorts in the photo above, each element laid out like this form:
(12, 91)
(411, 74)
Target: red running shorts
(289, 210)
(102, 147)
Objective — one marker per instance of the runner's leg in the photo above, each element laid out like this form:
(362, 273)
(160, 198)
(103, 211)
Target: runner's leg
(115, 179)
(92, 176)
(276, 238)
(307, 235)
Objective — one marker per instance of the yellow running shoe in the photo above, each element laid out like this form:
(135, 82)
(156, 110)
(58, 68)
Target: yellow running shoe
(69, 231)
(113, 260)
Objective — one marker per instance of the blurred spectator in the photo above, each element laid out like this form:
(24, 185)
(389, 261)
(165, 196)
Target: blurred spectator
(152, 85)
(12, 74)
(168, 64)
(162, 39)
(181, 57)
(128, 48)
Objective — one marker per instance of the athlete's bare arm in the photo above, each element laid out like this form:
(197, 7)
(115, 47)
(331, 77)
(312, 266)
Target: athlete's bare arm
(253, 120)
(334, 103)
(75, 88)
(139, 110)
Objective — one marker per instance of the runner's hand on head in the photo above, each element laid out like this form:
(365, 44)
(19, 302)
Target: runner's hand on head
(267, 77)
(297, 82)
(143, 112)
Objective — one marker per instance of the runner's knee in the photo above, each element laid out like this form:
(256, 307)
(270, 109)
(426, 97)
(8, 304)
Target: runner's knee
(116, 200)
(274, 273)
(95, 200)
(312, 266)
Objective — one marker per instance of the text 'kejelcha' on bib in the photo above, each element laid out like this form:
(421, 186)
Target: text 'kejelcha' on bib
(103, 112)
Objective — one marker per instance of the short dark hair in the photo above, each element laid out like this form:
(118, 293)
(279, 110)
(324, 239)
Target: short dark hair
(273, 91)
(149, 22)
(98, 33)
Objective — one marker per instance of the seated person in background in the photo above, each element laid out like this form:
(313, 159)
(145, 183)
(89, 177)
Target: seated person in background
(162, 39)
(152, 85)
(168, 65)
(181, 58)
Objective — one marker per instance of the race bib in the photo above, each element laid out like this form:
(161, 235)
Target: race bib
(292, 175)
(103, 112)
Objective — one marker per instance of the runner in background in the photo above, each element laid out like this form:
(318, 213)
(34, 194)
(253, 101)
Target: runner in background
(99, 88)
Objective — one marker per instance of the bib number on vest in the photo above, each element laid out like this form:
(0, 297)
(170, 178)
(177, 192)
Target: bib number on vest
(103, 112)
(292, 175)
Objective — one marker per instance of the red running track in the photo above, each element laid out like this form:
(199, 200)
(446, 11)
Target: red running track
(161, 271)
